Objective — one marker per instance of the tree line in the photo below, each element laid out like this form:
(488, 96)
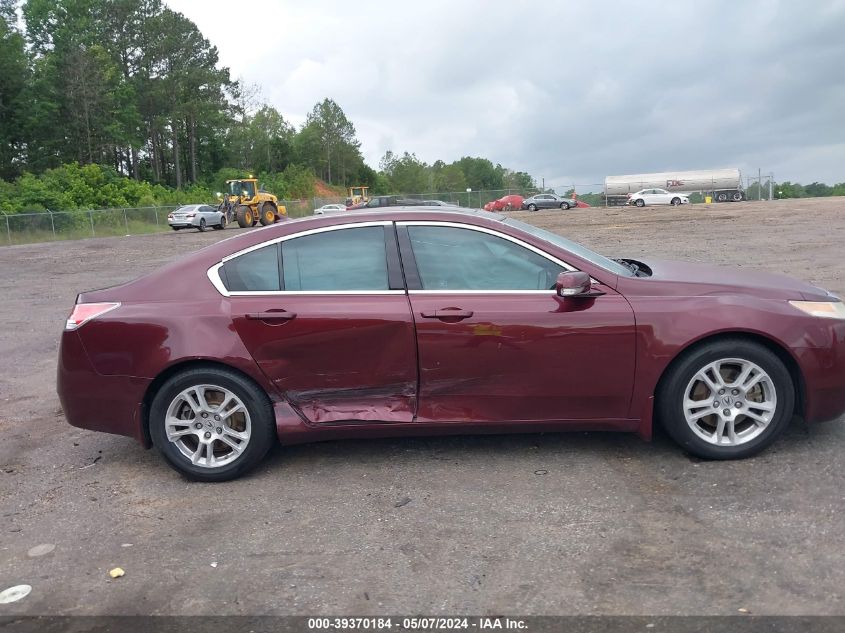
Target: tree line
(136, 89)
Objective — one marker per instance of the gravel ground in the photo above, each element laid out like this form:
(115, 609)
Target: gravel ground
(527, 524)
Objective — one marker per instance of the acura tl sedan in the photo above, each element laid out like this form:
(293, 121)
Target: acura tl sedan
(414, 321)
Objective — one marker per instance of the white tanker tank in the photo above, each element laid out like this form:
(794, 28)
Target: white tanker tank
(723, 184)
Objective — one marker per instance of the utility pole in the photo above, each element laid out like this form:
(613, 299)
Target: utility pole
(759, 184)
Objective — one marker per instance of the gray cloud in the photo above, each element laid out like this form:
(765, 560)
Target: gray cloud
(567, 91)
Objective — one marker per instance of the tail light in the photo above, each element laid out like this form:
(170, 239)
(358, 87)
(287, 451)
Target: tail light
(84, 312)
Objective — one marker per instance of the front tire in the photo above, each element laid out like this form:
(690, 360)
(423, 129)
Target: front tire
(222, 225)
(212, 424)
(564, 206)
(640, 202)
(244, 216)
(268, 214)
(532, 207)
(676, 202)
(726, 400)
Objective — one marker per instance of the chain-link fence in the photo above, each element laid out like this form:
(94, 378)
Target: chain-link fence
(44, 226)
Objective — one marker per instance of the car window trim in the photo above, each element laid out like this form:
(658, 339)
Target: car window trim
(214, 276)
(412, 276)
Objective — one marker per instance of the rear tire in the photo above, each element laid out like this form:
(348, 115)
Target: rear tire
(721, 197)
(268, 214)
(202, 225)
(703, 429)
(244, 216)
(737, 196)
(256, 422)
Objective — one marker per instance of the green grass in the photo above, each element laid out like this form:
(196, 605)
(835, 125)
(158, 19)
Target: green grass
(33, 236)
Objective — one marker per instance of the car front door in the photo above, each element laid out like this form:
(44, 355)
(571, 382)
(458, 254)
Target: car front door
(661, 196)
(497, 344)
(325, 315)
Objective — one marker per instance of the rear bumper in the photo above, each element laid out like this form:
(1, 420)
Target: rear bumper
(180, 224)
(89, 400)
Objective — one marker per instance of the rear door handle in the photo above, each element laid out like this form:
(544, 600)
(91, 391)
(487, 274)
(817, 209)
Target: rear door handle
(447, 313)
(271, 315)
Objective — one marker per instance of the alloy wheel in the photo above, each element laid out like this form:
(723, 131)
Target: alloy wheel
(730, 402)
(209, 424)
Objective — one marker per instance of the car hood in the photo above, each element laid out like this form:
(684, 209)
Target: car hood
(689, 278)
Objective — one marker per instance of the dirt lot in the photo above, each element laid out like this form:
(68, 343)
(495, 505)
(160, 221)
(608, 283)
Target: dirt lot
(532, 524)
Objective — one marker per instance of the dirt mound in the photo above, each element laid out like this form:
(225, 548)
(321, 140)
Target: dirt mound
(322, 190)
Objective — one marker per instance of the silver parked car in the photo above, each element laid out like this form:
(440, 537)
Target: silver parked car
(196, 216)
(548, 201)
(330, 208)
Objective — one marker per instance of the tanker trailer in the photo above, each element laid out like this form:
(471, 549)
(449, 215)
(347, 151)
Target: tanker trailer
(723, 184)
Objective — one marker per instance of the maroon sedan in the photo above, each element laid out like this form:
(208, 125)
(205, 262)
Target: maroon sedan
(420, 321)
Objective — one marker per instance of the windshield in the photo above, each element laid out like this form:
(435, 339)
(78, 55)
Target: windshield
(573, 247)
(241, 188)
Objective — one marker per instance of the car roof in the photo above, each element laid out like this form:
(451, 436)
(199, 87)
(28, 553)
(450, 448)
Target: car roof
(407, 212)
(397, 213)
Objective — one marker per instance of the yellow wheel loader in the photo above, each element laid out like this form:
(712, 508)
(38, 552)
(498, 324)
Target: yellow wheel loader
(245, 202)
(357, 195)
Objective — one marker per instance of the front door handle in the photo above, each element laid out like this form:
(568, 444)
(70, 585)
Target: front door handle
(271, 315)
(447, 313)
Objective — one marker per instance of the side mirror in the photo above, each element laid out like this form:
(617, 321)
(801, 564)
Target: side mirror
(573, 283)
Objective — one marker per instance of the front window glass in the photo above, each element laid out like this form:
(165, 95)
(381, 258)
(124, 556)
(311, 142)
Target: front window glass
(345, 259)
(451, 258)
(255, 271)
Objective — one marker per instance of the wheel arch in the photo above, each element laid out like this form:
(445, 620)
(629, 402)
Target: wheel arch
(177, 368)
(773, 345)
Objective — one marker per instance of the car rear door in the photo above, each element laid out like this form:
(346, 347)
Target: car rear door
(325, 315)
(496, 344)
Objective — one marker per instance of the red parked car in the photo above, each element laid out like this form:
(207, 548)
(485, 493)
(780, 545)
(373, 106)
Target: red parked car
(505, 203)
(415, 321)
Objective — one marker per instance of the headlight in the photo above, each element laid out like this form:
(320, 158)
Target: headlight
(826, 309)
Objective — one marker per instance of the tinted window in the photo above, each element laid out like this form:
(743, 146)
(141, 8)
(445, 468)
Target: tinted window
(346, 259)
(254, 271)
(462, 259)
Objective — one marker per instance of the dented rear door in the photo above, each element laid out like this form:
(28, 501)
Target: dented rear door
(338, 339)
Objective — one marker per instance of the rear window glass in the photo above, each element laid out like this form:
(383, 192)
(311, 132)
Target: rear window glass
(255, 271)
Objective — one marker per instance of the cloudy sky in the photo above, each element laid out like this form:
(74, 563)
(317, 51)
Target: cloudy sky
(568, 91)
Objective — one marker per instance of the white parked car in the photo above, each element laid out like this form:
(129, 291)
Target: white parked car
(657, 196)
(196, 216)
(330, 208)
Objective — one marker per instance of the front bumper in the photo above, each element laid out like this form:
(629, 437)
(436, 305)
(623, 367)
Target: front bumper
(821, 359)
